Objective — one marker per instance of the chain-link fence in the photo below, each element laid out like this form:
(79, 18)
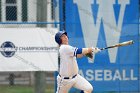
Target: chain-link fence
(28, 14)
(22, 78)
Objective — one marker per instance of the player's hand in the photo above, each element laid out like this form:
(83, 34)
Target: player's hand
(89, 55)
(95, 50)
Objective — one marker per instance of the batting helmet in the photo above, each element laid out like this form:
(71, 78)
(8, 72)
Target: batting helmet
(58, 35)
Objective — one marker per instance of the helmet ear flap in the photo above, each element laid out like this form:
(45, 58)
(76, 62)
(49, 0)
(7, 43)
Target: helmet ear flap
(60, 41)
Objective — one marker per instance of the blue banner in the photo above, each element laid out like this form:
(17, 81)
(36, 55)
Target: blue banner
(101, 23)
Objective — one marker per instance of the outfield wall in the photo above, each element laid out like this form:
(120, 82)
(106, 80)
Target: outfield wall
(100, 23)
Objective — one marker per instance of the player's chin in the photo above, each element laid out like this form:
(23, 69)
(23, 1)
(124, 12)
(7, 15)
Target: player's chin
(66, 41)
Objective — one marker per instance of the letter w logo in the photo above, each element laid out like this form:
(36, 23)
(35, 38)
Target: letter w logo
(105, 13)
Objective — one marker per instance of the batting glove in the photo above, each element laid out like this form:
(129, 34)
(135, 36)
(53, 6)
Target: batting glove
(95, 50)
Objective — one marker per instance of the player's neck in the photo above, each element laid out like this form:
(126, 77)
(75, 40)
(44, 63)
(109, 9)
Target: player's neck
(66, 43)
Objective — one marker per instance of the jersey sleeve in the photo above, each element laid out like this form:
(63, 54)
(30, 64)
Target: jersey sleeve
(71, 51)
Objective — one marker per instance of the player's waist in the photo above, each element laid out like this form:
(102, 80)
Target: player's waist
(71, 77)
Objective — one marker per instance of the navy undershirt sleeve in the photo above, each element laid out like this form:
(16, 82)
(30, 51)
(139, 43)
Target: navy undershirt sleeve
(77, 51)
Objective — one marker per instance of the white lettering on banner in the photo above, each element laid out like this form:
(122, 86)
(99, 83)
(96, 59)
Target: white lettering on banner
(124, 75)
(117, 75)
(133, 78)
(81, 72)
(109, 75)
(98, 75)
(106, 14)
(89, 74)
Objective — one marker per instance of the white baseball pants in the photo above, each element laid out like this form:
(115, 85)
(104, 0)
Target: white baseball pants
(64, 85)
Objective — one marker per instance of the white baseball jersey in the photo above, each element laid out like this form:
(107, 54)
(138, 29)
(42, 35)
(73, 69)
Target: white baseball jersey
(69, 68)
(68, 63)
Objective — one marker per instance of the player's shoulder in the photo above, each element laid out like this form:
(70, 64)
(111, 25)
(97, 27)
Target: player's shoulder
(66, 47)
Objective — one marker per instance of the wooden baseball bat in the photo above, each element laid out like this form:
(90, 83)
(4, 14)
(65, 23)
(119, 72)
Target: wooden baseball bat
(119, 45)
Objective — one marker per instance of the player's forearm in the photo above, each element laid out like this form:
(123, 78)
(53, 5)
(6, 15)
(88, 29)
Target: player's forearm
(83, 52)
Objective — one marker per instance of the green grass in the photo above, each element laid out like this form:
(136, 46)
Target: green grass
(22, 89)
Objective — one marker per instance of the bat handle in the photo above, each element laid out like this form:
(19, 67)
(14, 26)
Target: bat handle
(102, 48)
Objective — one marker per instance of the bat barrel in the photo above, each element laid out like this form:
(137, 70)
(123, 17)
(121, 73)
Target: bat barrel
(119, 45)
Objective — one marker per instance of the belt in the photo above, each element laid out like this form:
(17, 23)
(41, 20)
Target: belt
(69, 77)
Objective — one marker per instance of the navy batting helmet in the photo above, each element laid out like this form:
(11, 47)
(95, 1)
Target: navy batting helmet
(58, 35)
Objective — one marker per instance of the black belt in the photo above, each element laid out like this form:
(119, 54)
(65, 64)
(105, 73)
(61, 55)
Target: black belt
(69, 77)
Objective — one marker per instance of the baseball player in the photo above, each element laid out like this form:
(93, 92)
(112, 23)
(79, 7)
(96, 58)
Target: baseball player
(68, 76)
